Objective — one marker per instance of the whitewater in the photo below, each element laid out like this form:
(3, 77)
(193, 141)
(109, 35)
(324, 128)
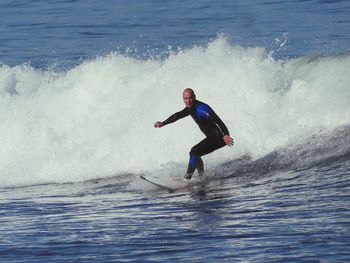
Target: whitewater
(95, 119)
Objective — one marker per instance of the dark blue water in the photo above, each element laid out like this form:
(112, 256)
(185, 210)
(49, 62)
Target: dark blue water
(295, 216)
(67, 31)
(81, 83)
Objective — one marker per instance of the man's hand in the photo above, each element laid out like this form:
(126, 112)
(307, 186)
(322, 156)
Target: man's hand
(158, 124)
(228, 140)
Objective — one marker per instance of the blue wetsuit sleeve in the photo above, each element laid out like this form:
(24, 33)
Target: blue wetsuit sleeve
(177, 116)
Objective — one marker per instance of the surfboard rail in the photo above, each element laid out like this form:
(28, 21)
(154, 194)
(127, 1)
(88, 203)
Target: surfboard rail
(167, 182)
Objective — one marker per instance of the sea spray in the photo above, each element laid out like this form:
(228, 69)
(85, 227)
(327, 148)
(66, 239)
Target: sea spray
(96, 119)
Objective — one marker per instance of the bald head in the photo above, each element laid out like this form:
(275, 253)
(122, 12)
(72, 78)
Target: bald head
(190, 91)
(189, 97)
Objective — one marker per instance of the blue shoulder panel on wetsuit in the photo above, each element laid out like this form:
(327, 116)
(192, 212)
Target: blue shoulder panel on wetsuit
(202, 112)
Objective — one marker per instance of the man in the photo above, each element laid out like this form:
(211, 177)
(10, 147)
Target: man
(217, 135)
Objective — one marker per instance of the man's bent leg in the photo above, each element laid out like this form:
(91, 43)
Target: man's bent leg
(200, 167)
(192, 165)
(206, 146)
(195, 163)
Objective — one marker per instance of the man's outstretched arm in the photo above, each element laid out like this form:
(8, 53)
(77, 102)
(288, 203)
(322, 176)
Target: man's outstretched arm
(176, 116)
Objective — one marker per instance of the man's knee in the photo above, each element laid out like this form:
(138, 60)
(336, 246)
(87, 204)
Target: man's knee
(195, 152)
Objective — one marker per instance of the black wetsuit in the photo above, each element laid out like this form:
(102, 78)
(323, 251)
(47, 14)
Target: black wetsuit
(210, 124)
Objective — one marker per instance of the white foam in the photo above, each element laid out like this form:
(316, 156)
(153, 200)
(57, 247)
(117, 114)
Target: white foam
(97, 118)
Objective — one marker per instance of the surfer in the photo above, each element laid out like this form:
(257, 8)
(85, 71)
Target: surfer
(216, 132)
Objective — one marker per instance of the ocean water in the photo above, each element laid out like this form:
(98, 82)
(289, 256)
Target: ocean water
(81, 84)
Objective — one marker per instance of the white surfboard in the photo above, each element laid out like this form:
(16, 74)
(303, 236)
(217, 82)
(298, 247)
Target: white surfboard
(167, 182)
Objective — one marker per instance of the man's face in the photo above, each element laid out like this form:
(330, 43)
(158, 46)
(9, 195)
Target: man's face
(188, 99)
